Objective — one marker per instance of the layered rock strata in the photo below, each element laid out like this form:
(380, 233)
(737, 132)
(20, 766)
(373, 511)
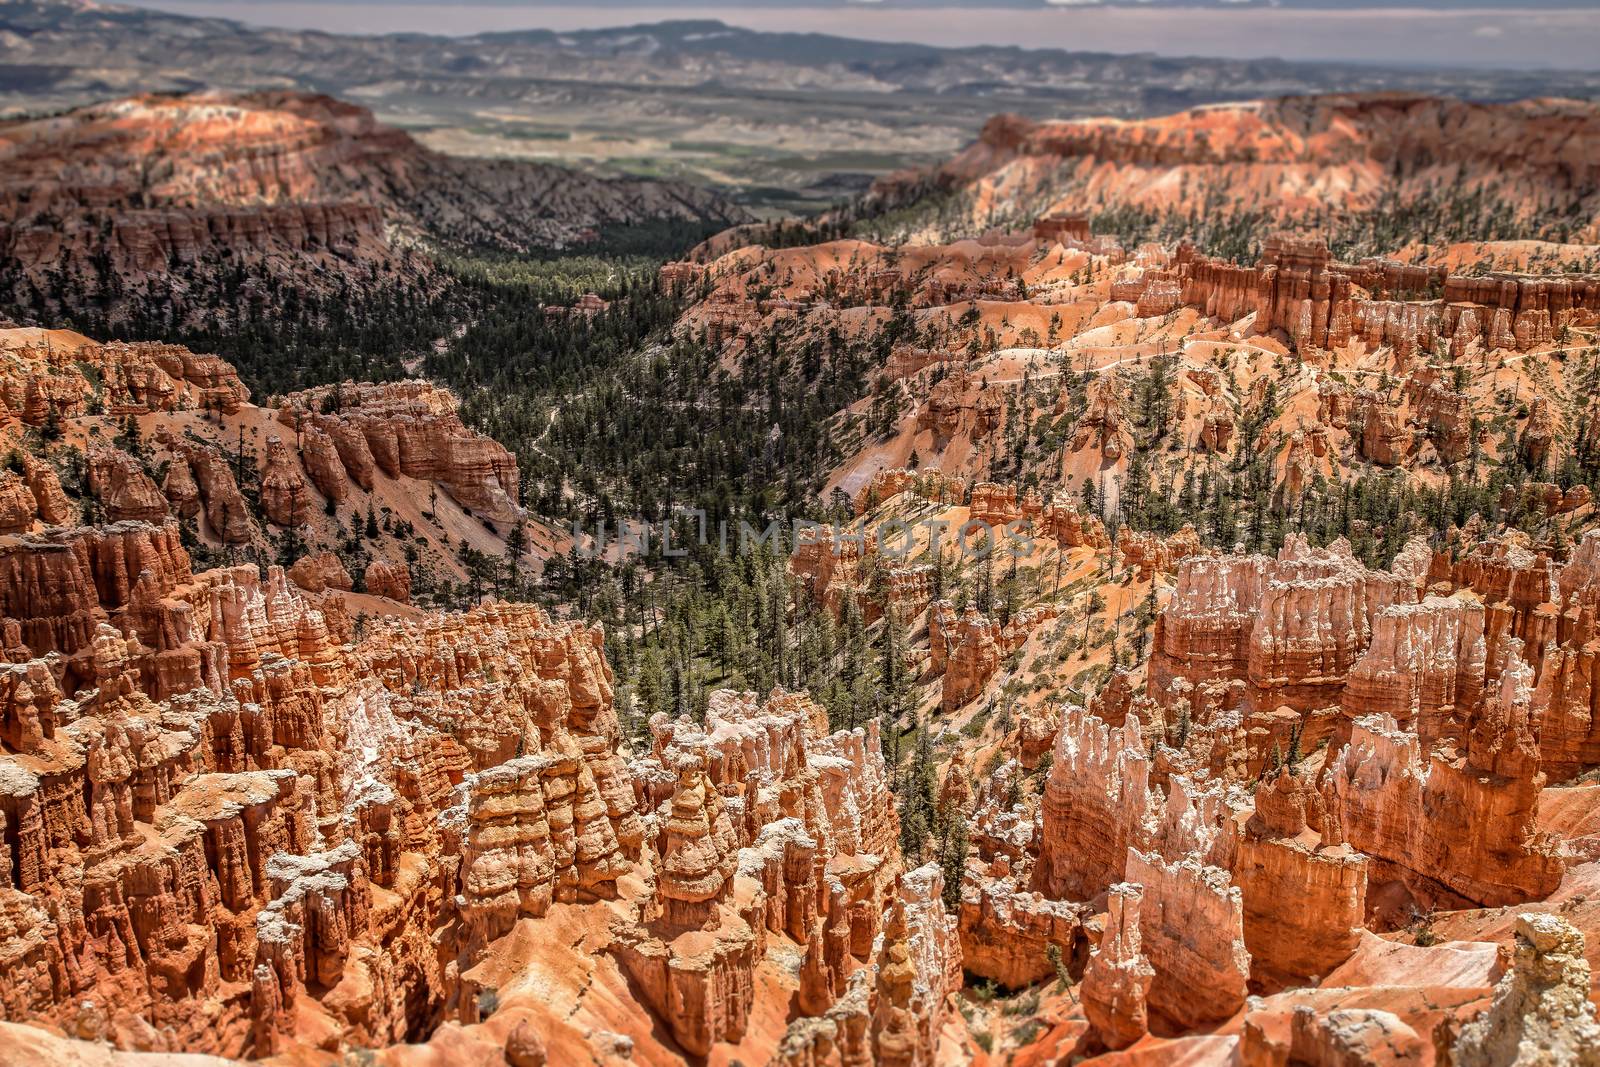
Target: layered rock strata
(1097, 799)
(1283, 856)
(1461, 824)
(1116, 983)
(1007, 931)
(1298, 288)
(1276, 639)
(890, 1012)
(221, 822)
(970, 648)
(409, 429)
(45, 377)
(692, 958)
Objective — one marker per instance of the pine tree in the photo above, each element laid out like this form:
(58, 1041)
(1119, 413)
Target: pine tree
(985, 592)
(516, 545)
(1008, 605)
(916, 798)
(1274, 762)
(953, 860)
(651, 684)
(891, 669)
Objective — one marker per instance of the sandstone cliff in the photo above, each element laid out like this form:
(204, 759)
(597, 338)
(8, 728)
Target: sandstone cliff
(1276, 157)
(307, 187)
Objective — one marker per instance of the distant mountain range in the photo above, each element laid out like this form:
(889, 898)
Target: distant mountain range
(71, 48)
(784, 119)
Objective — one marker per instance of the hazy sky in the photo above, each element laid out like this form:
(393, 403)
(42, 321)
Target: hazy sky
(1447, 32)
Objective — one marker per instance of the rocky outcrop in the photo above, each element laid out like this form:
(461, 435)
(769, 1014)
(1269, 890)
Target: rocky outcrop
(1514, 583)
(1116, 982)
(997, 504)
(902, 1034)
(62, 376)
(285, 496)
(227, 515)
(1007, 931)
(972, 658)
(1274, 640)
(845, 565)
(1338, 1036)
(533, 832)
(1565, 701)
(1192, 930)
(1460, 825)
(698, 859)
(1545, 498)
(122, 487)
(312, 192)
(1446, 413)
(1001, 829)
(1071, 528)
(323, 464)
(56, 588)
(18, 508)
(1424, 667)
(1541, 1011)
(316, 574)
(1149, 553)
(179, 487)
(1103, 427)
(1539, 435)
(1384, 439)
(774, 760)
(216, 814)
(50, 500)
(1321, 304)
(893, 1010)
(692, 958)
(1282, 855)
(405, 429)
(1315, 620)
(970, 648)
(829, 567)
(391, 580)
(944, 412)
(929, 483)
(134, 768)
(1217, 427)
(1304, 457)
(31, 495)
(1096, 801)
(1203, 635)
(766, 825)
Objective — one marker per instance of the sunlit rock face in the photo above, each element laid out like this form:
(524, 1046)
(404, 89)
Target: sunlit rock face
(206, 789)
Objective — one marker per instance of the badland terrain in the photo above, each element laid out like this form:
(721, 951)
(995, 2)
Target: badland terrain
(1124, 593)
